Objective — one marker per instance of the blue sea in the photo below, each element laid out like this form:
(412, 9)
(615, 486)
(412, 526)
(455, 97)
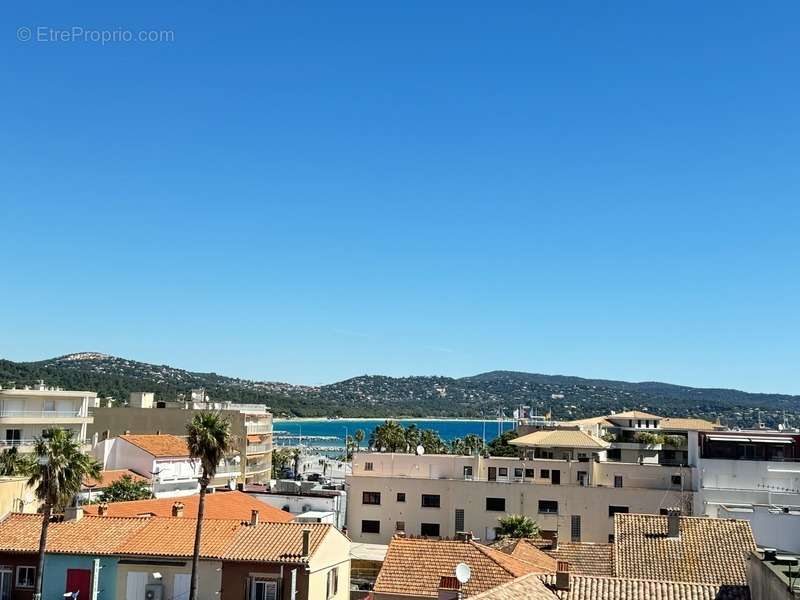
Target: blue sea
(448, 429)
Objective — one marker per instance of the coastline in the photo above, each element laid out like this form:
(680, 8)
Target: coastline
(379, 419)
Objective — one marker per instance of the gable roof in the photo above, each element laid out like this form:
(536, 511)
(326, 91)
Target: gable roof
(160, 446)
(542, 587)
(219, 505)
(95, 535)
(167, 536)
(680, 424)
(276, 542)
(526, 551)
(415, 566)
(561, 438)
(110, 476)
(585, 558)
(633, 414)
(708, 550)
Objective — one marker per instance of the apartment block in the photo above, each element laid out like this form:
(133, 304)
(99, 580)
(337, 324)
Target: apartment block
(251, 427)
(27, 412)
(440, 495)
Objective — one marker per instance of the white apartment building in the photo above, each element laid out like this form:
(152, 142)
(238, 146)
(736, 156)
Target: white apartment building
(27, 412)
(440, 495)
(753, 475)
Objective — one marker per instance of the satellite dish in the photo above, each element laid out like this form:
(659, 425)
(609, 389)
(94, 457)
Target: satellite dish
(463, 572)
(420, 450)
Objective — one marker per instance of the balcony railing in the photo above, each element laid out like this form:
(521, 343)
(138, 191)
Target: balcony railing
(258, 448)
(42, 413)
(257, 427)
(24, 442)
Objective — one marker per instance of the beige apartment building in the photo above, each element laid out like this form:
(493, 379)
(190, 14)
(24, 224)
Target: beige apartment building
(27, 412)
(251, 427)
(440, 495)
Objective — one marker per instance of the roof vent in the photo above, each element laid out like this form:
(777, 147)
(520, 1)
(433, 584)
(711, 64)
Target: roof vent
(254, 517)
(673, 523)
(102, 509)
(464, 536)
(770, 554)
(306, 542)
(177, 509)
(449, 588)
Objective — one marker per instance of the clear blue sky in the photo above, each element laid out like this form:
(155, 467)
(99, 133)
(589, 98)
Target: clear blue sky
(310, 191)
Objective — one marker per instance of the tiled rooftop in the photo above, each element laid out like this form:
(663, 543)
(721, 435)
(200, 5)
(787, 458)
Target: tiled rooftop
(165, 536)
(585, 558)
(706, 551)
(160, 446)
(110, 476)
(688, 424)
(402, 571)
(542, 587)
(219, 505)
(560, 438)
(276, 542)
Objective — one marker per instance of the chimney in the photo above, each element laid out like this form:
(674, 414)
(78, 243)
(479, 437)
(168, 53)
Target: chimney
(73, 513)
(562, 575)
(177, 509)
(102, 509)
(464, 536)
(254, 517)
(449, 588)
(674, 523)
(306, 542)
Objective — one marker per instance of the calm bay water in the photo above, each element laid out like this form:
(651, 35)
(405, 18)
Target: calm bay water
(447, 429)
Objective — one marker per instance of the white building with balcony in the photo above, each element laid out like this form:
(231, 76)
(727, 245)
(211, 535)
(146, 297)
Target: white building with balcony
(164, 460)
(26, 413)
(753, 475)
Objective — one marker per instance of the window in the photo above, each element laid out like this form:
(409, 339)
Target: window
(368, 466)
(575, 528)
(401, 496)
(429, 529)
(459, 519)
(518, 472)
(639, 423)
(610, 538)
(431, 501)
(612, 510)
(663, 511)
(263, 589)
(617, 480)
(26, 577)
(13, 436)
(370, 526)
(468, 472)
(531, 473)
(333, 582)
(544, 473)
(676, 480)
(400, 526)
(498, 504)
(583, 477)
(371, 498)
(548, 506)
(50, 405)
(502, 471)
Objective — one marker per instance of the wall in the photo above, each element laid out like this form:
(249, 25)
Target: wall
(235, 577)
(9, 560)
(772, 528)
(336, 504)
(209, 576)
(749, 474)
(16, 496)
(55, 575)
(333, 552)
(591, 503)
(764, 584)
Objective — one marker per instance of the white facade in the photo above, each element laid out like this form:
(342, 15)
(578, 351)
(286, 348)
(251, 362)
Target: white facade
(26, 413)
(297, 504)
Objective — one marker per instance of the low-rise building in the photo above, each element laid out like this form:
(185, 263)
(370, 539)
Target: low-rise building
(440, 495)
(773, 575)
(164, 460)
(92, 489)
(298, 497)
(251, 427)
(27, 412)
(17, 496)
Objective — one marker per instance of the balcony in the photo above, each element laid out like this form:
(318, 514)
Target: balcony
(50, 417)
(27, 444)
(258, 467)
(258, 448)
(258, 427)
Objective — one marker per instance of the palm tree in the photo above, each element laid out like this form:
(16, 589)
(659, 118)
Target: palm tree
(473, 444)
(412, 436)
(432, 442)
(388, 436)
(209, 440)
(14, 464)
(57, 476)
(518, 526)
(358, 437)
(457, 446)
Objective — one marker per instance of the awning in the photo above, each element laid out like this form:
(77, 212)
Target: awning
(254, 439)
(751, 440)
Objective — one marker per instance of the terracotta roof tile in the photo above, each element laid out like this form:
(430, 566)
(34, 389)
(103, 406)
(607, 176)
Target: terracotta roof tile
(560, 438)
(166, 536)
(707, 550)
(528, 552)
(633, 414)
(275, 542)
(542, 587)
(585, 558)
(688, 424)
(96, 535)
(219, 505)
(415, 566)
(160, 446)
(110, 476)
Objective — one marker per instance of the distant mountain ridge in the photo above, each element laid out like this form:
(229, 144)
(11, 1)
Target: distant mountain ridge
(377, 395)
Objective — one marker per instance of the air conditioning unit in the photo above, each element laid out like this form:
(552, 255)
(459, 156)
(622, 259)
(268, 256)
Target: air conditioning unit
(154, 591)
